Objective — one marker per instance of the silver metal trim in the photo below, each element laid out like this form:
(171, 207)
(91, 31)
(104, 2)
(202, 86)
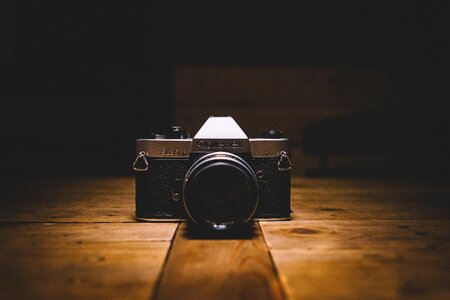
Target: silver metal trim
(181, 148)
(262, 147)
(220, 134)
(223, 128)
(164, 148)
(176, 197)
(283, 155)
(141, 155)
(217, 144)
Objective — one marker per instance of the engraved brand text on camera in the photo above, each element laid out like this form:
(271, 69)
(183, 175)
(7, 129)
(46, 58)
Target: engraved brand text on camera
(170, 152)
(220, 144)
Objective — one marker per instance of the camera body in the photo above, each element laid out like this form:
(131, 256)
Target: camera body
(220, 177)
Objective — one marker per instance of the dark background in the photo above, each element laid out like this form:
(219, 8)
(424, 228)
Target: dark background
(82, 81)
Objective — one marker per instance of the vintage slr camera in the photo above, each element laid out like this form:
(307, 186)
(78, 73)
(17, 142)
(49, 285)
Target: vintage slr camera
(220, 178)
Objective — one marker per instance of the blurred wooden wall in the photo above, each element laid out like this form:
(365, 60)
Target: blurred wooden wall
(288, 98)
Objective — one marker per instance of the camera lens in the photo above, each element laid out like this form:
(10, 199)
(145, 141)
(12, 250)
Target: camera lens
(220, 191)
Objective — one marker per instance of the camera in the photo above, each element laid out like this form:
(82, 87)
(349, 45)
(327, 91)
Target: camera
(220, 178)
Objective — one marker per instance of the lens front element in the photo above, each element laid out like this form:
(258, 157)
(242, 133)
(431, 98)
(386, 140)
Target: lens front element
(220, 191)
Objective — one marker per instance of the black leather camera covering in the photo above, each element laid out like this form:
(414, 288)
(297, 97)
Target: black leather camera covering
(274, 189)
(155, 189)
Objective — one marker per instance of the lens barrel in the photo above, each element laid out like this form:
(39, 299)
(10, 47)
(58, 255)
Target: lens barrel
(220, 191)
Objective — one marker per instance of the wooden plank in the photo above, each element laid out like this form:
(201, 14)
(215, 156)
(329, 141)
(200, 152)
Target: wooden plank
(95, 199)
(362, 259)
(208, 267)
(370, 199)
(378, 238)
(364, 238)
(81, 261)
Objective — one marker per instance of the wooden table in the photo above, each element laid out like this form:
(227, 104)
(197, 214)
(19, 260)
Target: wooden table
(75, 238)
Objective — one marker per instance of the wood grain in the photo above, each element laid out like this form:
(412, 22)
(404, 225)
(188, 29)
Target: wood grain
(81, 261)
(364, 239)
(370, 199)
(91, 199)
(205, 267)
(362, 259)
(75, 238)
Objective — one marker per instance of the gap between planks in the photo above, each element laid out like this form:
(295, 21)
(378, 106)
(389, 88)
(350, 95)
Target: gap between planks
(204, 266)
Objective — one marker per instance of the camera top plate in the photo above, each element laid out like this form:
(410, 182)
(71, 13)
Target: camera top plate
(216, 134)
